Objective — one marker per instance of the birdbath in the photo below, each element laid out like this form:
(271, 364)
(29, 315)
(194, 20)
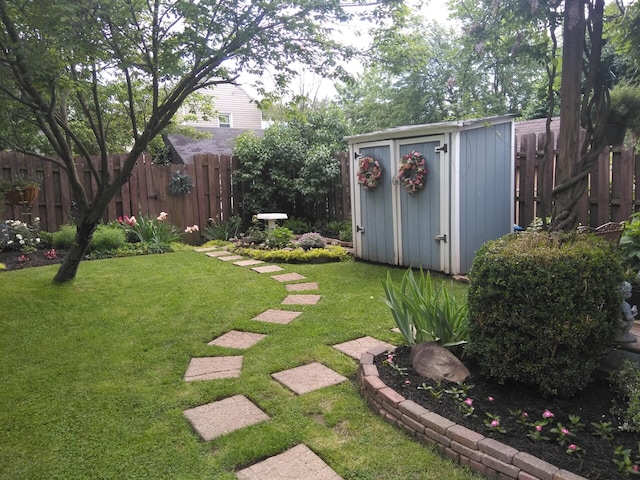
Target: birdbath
(271, 218)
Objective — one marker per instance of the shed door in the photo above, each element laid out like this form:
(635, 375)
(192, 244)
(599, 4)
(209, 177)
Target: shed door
(420, 212)
(373, 214)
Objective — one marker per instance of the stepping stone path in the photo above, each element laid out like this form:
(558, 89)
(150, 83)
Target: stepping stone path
(237, 339)
(298, 463)
(210, 368)
(224, 416)
(308, 378)
(277, 316)
(298, 287)
(267, 269)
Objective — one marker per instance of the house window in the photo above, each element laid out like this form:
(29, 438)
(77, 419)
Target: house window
(224, 120)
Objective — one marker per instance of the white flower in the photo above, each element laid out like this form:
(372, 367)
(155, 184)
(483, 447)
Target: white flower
(37, 240)
(9, 242)
(18, 236)
(21, 242)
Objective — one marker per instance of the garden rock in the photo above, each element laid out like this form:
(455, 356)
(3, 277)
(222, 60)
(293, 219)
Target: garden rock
(432, 361)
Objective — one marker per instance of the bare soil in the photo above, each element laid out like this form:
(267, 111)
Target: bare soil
(17, 260)
(593, 404)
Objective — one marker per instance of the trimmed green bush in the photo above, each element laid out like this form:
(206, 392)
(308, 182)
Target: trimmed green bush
(543, 309)
(107, 238)
(626, 382)
(311, 240)
(64, 237)
(331, 253)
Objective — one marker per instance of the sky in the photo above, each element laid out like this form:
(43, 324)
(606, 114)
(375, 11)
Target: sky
(354, 34)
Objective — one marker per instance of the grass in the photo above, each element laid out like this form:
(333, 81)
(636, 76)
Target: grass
(92, 372)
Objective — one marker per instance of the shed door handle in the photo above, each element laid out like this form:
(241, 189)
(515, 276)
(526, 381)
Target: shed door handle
(359, 229)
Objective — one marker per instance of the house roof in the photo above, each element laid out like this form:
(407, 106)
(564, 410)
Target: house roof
(537, 126)
(221, 142)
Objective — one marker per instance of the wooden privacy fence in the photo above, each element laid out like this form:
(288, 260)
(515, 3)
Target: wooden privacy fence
(613, 185)
(146, 193)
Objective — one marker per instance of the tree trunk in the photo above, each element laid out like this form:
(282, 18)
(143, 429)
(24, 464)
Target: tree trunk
(565, 199)
(76, 253)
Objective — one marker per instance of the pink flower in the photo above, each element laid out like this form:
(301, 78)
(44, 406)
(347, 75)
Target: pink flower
(390, 358)
(490, 399)
(565, 431)
(635, 468)
(163, 216)
(538, 428)
(495, 423)
(548, 414)
(573, 447)
(407, 381)
(469, 401)
(192, 229)
(525, 415)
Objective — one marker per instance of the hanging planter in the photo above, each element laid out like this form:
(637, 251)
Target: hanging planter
(180, 184)
(369, 172)
(20, 190)
(412, 173)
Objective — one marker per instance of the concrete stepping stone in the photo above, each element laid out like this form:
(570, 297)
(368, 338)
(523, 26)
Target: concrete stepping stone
(237, 339)
(247, 263)
(288, 277)
(212, 368)
(277, 316)
(299, 287)
(205, 249)
(230, 258)
(308, 378)
(301, 299)
(215, 419)
(355, 348)
(297, 463)
(218, 253)
(267, 269)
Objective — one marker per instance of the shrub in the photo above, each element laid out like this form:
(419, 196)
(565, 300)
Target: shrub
(346, 234)
(311, 240)
(107, 238)
(17, 235)
(331, 253)
(222, 230)
(626, 382)
(630, 243)
(279, 237)
(544, 309)
(425, 313)
(64, 237)
(296, 225)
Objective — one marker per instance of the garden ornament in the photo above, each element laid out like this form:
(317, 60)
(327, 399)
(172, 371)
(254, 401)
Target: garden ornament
(628, 316)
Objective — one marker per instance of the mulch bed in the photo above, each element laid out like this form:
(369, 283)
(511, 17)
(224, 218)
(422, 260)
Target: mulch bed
(593, 404)
(16, 260)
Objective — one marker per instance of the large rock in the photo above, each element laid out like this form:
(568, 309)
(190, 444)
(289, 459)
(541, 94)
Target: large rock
(432, 361)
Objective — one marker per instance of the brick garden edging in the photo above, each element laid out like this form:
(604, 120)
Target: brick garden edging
(484, 455)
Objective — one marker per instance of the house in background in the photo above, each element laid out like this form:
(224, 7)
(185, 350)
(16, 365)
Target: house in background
(233, 108)
(234, 113)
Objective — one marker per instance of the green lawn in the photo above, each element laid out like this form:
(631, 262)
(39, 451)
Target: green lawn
(92, 372)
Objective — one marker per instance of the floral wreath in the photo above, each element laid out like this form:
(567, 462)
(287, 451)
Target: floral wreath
(369, 172)
(413, 172)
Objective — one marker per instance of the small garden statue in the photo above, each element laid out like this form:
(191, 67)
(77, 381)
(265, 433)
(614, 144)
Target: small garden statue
(628, 315)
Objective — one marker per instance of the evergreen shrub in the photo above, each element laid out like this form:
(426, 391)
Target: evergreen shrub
(543, 310)
(107, 238)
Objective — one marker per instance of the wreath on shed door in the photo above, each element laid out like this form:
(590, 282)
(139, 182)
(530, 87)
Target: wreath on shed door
(413, 172)
(369, 172)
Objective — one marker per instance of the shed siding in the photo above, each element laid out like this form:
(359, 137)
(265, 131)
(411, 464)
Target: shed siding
(420, 212)
(377, 207)
(485, 188)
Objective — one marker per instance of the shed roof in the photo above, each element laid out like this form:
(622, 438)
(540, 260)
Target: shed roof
(221, 142)
(408, 131)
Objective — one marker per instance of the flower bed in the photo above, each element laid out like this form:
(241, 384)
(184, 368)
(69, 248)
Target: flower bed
(484, 455)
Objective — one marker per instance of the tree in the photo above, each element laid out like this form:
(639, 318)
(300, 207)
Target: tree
(59, 61)
(292, 169)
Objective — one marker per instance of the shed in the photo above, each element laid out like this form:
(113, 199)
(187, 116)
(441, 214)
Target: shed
(467, 199)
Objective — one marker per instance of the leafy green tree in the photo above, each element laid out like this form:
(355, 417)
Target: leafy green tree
(292, 169)
(59, 61)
